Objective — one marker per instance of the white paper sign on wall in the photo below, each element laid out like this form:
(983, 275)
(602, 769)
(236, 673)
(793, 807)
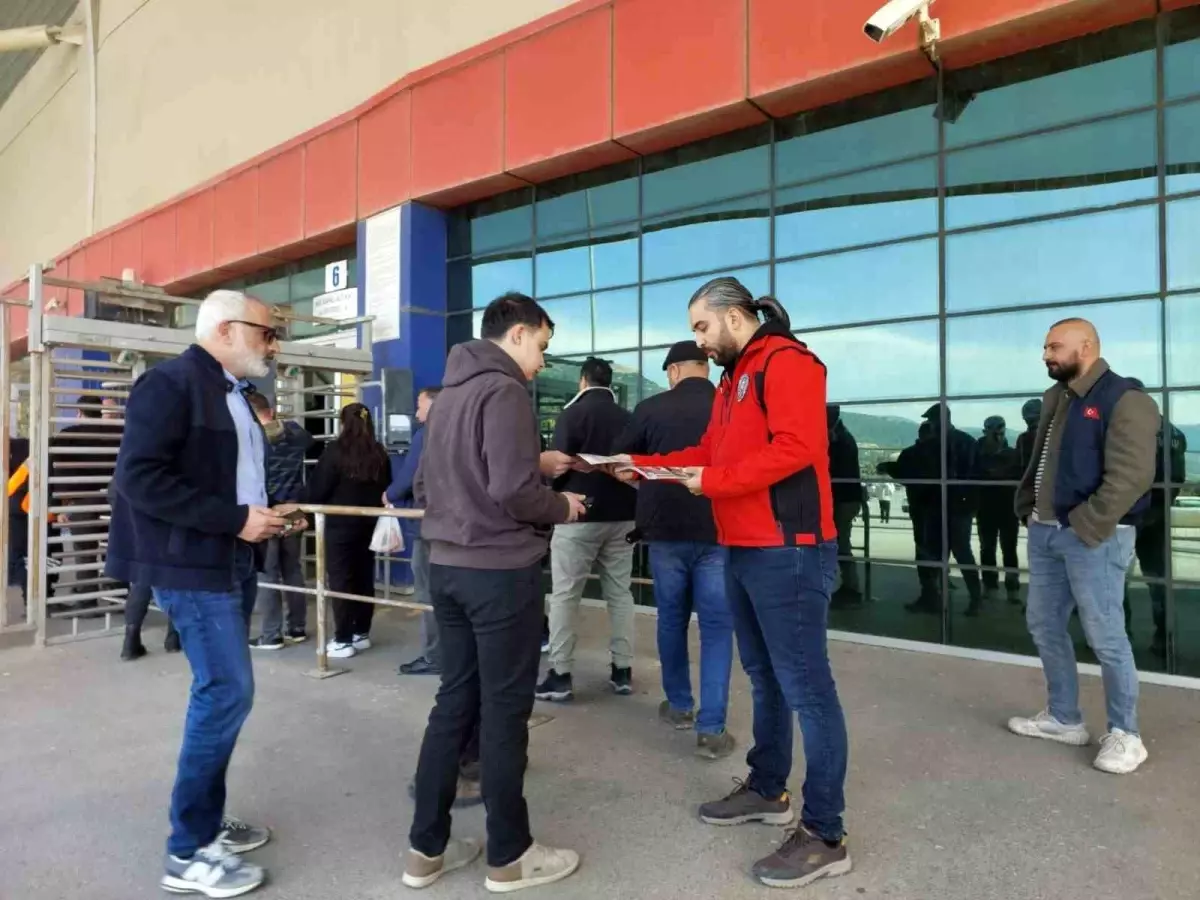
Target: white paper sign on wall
(341, 304)
(337, 275)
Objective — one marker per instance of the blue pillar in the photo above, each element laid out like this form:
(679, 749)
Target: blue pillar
(421, 344)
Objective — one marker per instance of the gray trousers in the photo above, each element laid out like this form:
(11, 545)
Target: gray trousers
(421, 594)
(283, 566)
(574, 549)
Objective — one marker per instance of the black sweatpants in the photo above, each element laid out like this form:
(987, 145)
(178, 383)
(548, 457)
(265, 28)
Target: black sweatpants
(490, 625)
(350, 564)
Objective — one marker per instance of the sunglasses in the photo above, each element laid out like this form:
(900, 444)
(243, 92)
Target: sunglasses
(270, 335)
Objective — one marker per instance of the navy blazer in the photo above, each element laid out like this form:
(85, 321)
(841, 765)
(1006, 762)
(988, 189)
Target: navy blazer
(175, 516)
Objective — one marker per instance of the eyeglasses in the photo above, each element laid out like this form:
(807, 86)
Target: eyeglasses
(270, 335)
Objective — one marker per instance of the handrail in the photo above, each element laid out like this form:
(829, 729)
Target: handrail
(319, 512)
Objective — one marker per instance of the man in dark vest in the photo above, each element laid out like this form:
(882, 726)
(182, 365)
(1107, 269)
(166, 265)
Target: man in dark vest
(1082, 496)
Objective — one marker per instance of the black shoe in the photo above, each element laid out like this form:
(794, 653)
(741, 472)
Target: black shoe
(621, 681)
(133, 647)
(262, 642)
(924, 604)
(846, 598)
(1014, 597)
(296, 636)
(420, 666)
(171, 644)
(555, 688)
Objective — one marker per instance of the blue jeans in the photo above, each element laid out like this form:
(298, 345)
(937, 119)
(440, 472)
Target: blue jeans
(691, 576)
(1064, 574)
(780, 601)
(214, 631)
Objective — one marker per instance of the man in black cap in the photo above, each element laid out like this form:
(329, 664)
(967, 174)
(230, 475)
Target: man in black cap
(687, 563)
(997, 461)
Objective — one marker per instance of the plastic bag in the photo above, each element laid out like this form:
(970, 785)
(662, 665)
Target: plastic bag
(387, 537)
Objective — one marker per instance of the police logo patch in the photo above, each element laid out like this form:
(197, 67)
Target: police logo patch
(743, 386)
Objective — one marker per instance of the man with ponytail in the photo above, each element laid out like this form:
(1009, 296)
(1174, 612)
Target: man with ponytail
(764, 463)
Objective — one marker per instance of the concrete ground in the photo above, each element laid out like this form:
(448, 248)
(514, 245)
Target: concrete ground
(943, 804)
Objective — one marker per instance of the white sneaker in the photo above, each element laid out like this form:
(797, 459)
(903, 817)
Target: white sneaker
(361, 642)
(539, 865)
(334, 650)
(420, 871)
(213, 872)
(1048, 728)
(1120, 753)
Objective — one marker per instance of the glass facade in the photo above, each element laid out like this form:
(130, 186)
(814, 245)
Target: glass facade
(922, 240)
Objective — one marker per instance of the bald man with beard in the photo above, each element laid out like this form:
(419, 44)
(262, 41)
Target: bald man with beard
(1082, 496)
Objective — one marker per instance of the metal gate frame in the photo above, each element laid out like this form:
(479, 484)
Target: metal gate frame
(50, 332)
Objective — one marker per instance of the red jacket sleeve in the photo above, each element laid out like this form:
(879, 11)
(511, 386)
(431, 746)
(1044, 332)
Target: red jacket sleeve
(700, 455)
(794, 395)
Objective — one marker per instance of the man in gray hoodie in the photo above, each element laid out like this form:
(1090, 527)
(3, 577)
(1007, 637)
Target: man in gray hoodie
(488, 515)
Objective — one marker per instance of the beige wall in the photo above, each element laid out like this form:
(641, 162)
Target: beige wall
(189, 88)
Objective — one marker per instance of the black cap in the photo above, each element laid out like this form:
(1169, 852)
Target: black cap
(684, 351)
(934, 413)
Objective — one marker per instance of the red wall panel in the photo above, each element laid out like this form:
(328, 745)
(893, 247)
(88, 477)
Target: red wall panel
(331, 179)
(1177, 4)
(76, 266)
(127, 250)
(235, 217)
(384, 160)
(675, 59)
(158, 247)
(805, 54)
(281, 200)
(458, 133)
(558, 98)
(194, 234)
(97, 259)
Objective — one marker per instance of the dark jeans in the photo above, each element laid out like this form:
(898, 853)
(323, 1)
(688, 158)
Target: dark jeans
(489, 622)
(18, 550)
(691, 576)
(284, 565)
(351, 564)
(998, 523)
(930, 548)
(1151, 550)
(885, 511)
(214, 631)
(429, 632)
(780, 601)
(137, 604)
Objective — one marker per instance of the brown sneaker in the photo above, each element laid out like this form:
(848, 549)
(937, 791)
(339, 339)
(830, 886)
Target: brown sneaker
(539, 865)
(714, 746)
(801, 859)
(747, 805)
(680, 719)
(420, 871)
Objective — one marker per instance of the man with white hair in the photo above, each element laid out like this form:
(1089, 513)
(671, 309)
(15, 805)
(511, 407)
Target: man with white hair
(190, 504)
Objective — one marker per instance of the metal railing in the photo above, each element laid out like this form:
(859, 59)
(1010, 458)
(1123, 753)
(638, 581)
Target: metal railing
(321, 591)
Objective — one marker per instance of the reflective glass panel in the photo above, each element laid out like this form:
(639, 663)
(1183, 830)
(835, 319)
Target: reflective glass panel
(1107, 254)
(1183, 244)
(1183, 148)
(878, 362)
(589, 266)
(1100, 164)
(672, 181)
(1002, 353)
(491, 278)
(1181, 59)
(879, 205)
(734, 233)
(587, 209)
(884, 282)
(1183, 340)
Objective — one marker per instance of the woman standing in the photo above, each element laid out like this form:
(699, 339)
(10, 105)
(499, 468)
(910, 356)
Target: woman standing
(353, 471)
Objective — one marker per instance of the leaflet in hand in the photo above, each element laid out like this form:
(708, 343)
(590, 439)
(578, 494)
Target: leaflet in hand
(650, 473)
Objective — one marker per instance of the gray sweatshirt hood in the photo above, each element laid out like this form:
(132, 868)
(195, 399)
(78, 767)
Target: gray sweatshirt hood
(475, 358)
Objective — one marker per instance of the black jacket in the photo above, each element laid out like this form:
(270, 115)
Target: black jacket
(844, 469)
(591, 424)
(329, 485)
(665, 423)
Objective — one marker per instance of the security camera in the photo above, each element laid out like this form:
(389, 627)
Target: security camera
(894, 15)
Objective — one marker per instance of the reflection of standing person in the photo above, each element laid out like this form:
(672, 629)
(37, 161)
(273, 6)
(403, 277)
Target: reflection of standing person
(998, 462)
(287, 444)
(352, 471)
(686, 561)
(764, 462)
(883, 492)
(846, 475)
(1083, 495)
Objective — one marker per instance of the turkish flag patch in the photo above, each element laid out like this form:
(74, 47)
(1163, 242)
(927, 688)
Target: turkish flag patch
(1090, 412)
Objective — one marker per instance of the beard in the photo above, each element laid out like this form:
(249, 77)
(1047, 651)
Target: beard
(724, 352)
(251, 362)
(1063, 372)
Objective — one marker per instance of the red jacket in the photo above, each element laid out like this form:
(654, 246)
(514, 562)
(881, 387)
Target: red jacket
(766, 450)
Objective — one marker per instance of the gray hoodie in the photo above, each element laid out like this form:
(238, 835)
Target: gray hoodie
(486, 506)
